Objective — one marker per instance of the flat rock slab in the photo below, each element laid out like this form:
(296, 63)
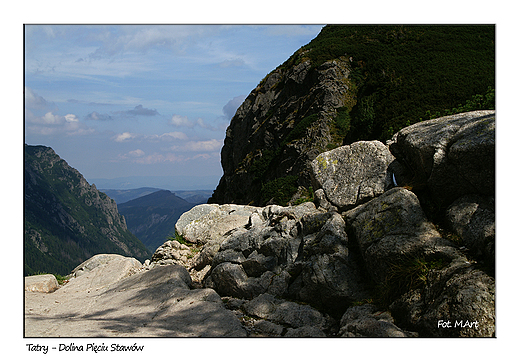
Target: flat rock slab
(154, 303)
(104, 269)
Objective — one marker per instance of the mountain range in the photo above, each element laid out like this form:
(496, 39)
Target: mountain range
(121, 196)
(152, 217)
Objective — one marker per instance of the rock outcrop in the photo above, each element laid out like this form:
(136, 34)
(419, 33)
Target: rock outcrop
(472, 218)
(284, 123)
(298, 252)
(450, 156)
(369, 236)
(366, 321)
(348, 84)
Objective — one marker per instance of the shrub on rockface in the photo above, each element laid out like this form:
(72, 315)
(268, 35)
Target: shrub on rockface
(279, 191)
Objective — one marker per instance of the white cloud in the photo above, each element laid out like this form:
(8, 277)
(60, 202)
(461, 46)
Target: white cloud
(50, 118)
(172, 135)
(231, 107)
(141, 39)
(206, 146)
(181, 121)
(136, 153)
(33, 100)
(160, 158)
(122, 137)
(53, 124)
(165, 137)
(71, 118)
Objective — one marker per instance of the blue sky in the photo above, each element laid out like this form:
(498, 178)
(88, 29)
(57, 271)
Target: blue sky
(146, 100)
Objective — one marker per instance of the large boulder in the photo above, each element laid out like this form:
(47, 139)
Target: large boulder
(457, 301)
(449, 156)
(287, 313)
(367, 321)
(392, 230)
(327, 274)
(104, 269)
(353, 174)
(173, 252)
(208, 222)
(297, 252)
(423, 277)
(45, 283)
(472, 218)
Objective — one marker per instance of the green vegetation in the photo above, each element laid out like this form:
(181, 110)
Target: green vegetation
(339, 127)
(280, 190)
(261, 164)
(300, 129)
(307, 195)
(403, 72)
(409, 274)
(180, 239)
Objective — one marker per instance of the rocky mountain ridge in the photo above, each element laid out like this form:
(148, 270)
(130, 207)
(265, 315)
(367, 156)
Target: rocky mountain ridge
(350, 83)
(357, 261)
(67, 220)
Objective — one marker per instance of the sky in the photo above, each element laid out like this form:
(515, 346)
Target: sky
(147, 101)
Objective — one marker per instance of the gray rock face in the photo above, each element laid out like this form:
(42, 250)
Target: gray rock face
(393, 228)
(152, 303)
(353, 174)
(172, 250)
(367, 321)
(472, 217)
(268, 120)
(205, 223)
(450, 156)
(45, 283)
(285, 313)
(458, 301)
(399, 245)
(296, 252)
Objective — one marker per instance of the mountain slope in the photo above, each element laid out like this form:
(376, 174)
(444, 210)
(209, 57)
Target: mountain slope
(350, 83)
(122, 196)
(152, 217)
(66, 220)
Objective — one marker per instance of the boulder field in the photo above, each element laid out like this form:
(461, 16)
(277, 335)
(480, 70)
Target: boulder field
(398, 242)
